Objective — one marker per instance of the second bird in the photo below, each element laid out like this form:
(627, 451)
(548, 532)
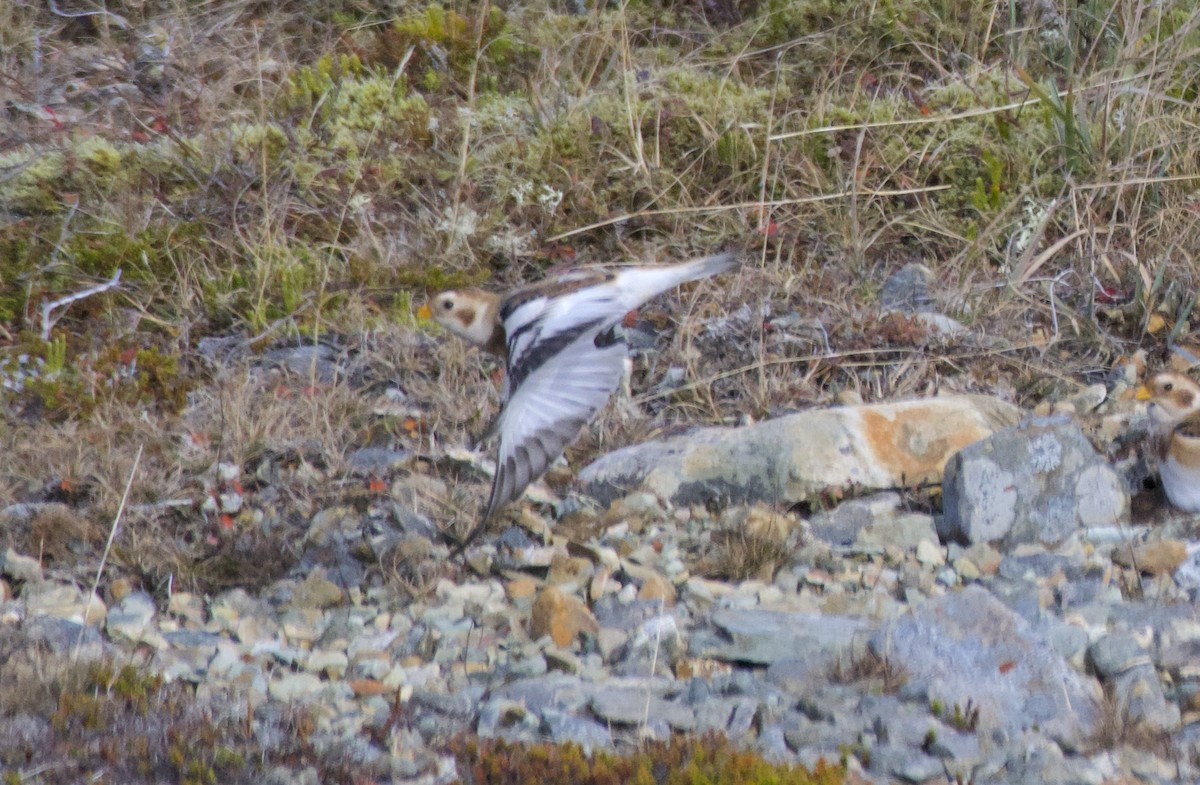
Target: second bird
(1175, 408)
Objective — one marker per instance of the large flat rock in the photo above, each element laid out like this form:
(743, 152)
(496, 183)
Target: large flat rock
(792, 458)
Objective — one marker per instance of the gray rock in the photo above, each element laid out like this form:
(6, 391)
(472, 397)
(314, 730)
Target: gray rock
(1144, 766)
(61, 636)
(330, 663)
(632, 704)
(308, 360)
(1036, 482)
(1069, 640)
(295, 687)
(193, 639)
(20, 568)
(1031, 566)
(792, 458)
(733, 717)
(846, 523)
(505, 719)
(765, 637)
(1126, 668)
(63, 601)
(831, 702)
(1187, 574)
(1040, 760)
(282, 775)
(907, 530)
(801, 675)
(816, 736)
(907, 289)
(967, 649)
(903, 762)
(1084, 591)
(133, 619)
(557, 691)
(1186, 742)
(901, 725)
(587, 733)
(366, 460)
(463, 705)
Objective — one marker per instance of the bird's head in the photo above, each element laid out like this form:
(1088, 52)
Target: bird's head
(1172, 396)
(469, 314)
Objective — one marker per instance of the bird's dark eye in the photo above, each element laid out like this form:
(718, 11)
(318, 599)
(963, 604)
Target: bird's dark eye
(447, 305)
(1168, 387)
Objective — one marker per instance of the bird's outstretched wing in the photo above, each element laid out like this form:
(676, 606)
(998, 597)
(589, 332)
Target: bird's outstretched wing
(565, 360)
(547, 411)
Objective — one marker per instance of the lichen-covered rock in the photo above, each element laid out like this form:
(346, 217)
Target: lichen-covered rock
(790, 459)
(967, 653)
(765, 637)
(1035, 482)
(1129, 673)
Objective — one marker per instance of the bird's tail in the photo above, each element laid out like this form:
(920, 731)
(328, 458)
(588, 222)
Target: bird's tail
(640, 284)
(708, 266)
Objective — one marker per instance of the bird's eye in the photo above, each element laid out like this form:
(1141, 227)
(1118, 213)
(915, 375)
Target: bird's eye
(447, 305)
(1168, 387)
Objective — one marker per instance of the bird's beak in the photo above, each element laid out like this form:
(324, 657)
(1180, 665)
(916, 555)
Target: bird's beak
(1143, 393)
(424, 313)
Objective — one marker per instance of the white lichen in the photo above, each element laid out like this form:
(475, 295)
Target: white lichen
(1045, 453)
(993, 494)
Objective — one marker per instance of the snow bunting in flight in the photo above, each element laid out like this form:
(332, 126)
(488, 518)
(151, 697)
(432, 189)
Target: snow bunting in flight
(1175, 409)
(563, 355)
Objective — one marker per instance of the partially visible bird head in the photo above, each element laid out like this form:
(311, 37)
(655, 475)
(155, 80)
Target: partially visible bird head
(469, 314)
(1172, 396)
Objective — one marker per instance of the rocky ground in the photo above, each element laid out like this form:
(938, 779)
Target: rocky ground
(1024, 629)
(878, 496)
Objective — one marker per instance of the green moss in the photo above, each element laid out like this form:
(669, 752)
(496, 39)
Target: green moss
(444, 44)
(62, 379)
(228, 759)
(78, 709)
(681, 761)
(130, 684)
(34, 186)
(101, 253)
(257, 142)
(100, 156)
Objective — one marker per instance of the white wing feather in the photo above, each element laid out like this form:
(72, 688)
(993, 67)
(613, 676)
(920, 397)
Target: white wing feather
(560, 374)
(545, 413)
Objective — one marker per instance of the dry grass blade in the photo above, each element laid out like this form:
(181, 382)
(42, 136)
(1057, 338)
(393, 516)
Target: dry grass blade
(112, 535)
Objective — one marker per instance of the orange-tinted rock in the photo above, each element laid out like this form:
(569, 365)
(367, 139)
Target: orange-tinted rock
(656, 587)
(521, 588)
(561, 616)
(1161, 557)
(363, 687)
(792, 458)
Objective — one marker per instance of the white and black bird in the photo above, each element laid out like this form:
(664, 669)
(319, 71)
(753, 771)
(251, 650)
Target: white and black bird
(563, 354)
